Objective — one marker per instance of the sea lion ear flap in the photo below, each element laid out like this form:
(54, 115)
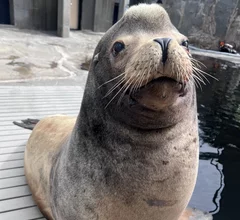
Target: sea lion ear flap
(95, 58)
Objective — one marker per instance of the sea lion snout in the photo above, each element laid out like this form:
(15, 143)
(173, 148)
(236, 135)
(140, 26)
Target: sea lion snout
(164, 45)
(156, 57)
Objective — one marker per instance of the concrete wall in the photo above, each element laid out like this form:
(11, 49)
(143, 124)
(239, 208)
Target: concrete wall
(103, 18)
(88, 8)
(206, 22)
(97, 15)
(35, 14)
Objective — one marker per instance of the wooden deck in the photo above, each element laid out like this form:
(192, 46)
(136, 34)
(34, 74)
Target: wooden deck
(18, 103)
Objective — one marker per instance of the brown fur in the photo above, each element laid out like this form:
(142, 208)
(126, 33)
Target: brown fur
(45, 140)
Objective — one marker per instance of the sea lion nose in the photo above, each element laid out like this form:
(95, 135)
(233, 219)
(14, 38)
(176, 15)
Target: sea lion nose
(164, 45)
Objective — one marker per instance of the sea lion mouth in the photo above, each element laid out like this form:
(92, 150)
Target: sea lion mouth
(180, 86)
(167, 79)
(158, 93)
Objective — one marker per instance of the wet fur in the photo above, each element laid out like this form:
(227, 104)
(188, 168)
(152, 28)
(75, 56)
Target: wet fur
(109, 165)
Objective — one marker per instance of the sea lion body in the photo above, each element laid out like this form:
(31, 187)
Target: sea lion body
(132, 153)
(92, 186)
(43, 145)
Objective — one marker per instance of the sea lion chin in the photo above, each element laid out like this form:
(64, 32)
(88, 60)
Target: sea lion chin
(132, 152)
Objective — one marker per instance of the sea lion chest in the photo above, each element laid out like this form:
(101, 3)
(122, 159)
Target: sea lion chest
(134, 176)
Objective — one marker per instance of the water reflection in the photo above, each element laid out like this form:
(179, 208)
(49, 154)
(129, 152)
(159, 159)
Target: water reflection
(218, 184)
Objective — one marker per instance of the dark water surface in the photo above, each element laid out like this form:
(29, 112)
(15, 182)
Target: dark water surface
(218, 184)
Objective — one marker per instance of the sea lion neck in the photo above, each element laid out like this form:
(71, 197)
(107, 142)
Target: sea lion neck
(99, 123)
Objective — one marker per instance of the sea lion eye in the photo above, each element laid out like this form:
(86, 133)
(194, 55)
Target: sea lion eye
(117, 48)
(185, 43)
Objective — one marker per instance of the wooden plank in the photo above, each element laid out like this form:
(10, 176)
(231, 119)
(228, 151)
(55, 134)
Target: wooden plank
(9, 120)
(11, 142)
(27, 105)
(20, 116)
(12, 133)
(11, 173)
(12, 150)
(32, 88)
(14, 192)
(40, 93)
(11, 164)
(10, 127)
(18, 203)
(16, 137)
(39, 108)
(22, 214)
(34, 99)
(17, 103)
(10, 157)
(40, 111)
(11, 182)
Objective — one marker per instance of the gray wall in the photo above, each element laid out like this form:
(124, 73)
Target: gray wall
(97, 15)
(35, 14)
(88, 8)
(206, 22)
(103, 18)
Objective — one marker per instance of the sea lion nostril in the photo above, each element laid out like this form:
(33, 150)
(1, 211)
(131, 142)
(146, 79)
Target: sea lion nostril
(164, 45)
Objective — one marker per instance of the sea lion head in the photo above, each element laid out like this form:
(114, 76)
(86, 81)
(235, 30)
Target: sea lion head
(142, 70)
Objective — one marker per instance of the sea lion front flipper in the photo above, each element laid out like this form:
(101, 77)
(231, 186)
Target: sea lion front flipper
(27, 123)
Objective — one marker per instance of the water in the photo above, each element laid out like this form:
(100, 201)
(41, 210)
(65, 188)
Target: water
(218, 183)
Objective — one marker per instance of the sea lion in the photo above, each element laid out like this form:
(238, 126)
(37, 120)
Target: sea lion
(132, 152)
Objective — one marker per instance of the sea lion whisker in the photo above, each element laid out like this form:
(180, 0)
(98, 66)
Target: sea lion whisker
(114, 87)
(196, 83)
(203, 72)
(111, 80)
(199, 81)
(141, 78)
(115, 96)
(131, 81)
(201, 75)
(132, 89)
(141, 74)
(193, 61)
(136, 79)
(124, 92)
(148, 74)
(135, 85)
(199, 63)
(198, 73)
(198, 77)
